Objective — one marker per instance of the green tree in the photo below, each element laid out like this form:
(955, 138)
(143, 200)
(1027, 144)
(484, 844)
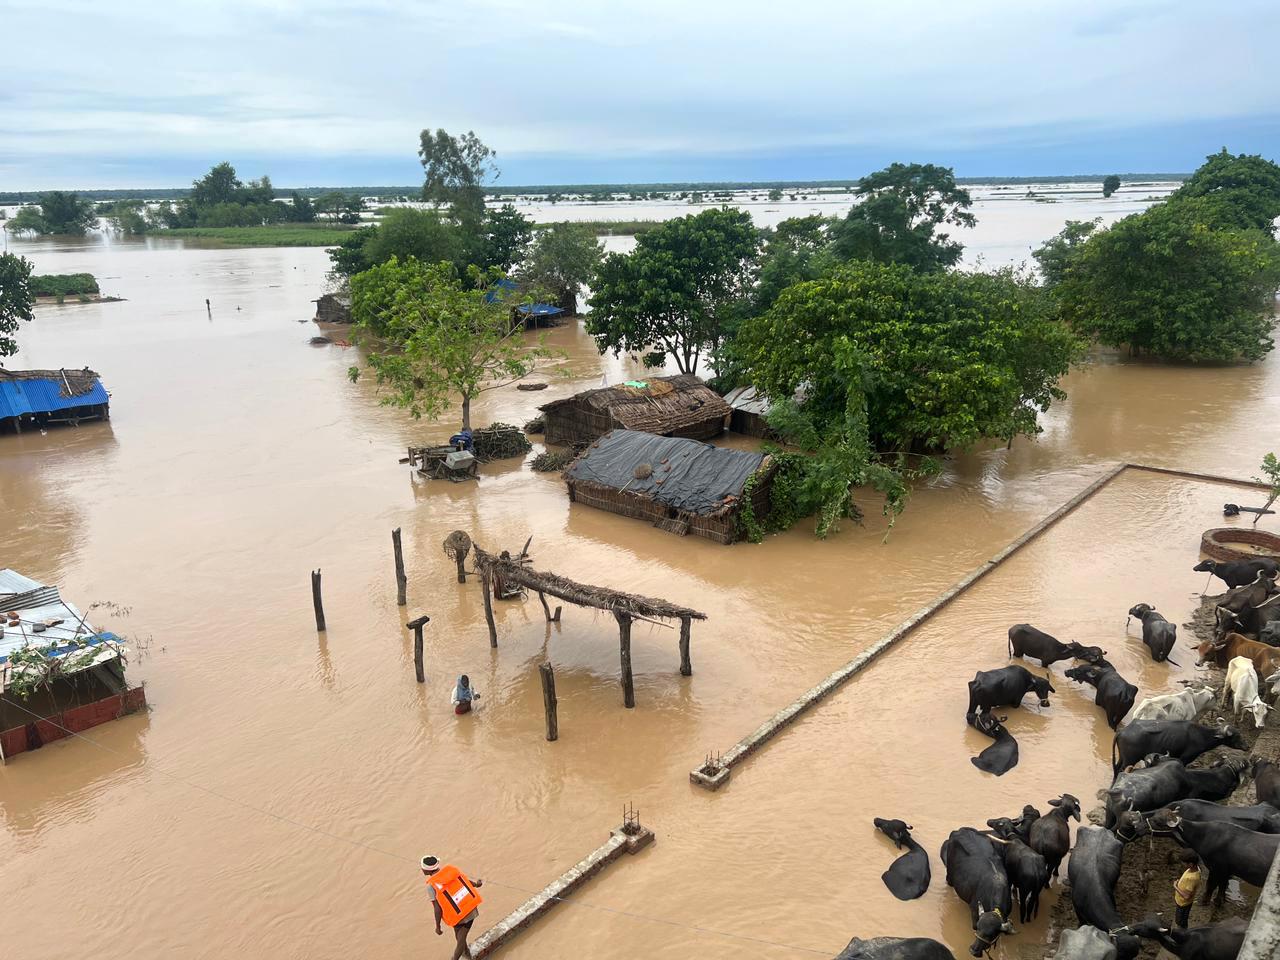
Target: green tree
(456, 169)
(28, 219)
(564, 257)
(1271, 477)
(1242, 190)
(1055, 256)
(128, 218)
(672, 295)
(303, 211)
(1110, 185)
(898, 216)
(775, 194)
(507, 233)
(15, 300)
(219, 185)
(444, 339)
(796, 250)
(421, 234)
(65, 214)
(942, 360)
(1169, 283)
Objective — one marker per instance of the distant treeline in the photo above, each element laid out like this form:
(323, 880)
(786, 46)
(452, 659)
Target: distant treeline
(415, 190)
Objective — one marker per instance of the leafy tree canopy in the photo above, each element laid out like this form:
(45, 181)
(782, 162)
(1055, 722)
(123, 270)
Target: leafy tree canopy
(1110, 185)
(15, 300)
(941, 360)
(1168, 282)
(563, 258)
(59, 213)
(898, 217)
(1055, 256)
(456, 169)
(672, 295)
(505, 240)
(443, 341)
(1243, 190)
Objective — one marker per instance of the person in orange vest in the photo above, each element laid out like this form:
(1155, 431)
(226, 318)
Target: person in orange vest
(454, 900)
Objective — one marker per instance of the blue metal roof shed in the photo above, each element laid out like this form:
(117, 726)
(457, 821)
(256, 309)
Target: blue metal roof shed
(51, 395)
(530, 312)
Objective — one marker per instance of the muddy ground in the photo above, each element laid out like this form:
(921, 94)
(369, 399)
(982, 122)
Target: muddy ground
(1151, 865)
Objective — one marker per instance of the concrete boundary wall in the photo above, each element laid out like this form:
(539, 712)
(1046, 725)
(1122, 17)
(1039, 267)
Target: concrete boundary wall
(1262, 940)
(508, 927)
(715, 773)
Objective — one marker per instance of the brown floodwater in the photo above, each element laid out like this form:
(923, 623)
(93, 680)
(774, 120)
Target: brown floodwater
(274, 801)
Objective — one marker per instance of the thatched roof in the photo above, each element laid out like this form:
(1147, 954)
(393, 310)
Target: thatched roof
(660, 405)
(71, 383)
(582, 594)
(687, 475)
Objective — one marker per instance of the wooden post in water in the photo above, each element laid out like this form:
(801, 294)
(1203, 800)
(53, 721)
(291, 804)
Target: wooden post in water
(549, 700)
(624, 645)
(686, 667)
(488, 608)
(401, 580)
(547, 610)
(462, 567)
(416, 626)
(316, 601)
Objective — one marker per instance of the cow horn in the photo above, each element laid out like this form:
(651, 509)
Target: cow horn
(997, 840)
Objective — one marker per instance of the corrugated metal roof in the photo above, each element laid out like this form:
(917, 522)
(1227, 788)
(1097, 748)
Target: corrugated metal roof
(748, 400)
(21, 397)
(37, 603)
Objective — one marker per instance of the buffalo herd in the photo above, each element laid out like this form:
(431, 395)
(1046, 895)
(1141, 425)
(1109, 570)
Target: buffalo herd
(1156, 790)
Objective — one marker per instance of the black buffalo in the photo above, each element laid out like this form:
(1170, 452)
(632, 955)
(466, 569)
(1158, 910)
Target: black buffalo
(1255, 594)
(1006, 687)
(1028, 873)
(907, 877)
(1258, 817)
(1239, 573)
(1115, 694)
(1002, 755)
(1184, 739)
(1026, 641)
(1093, 870)
(1167, 780)
(895, 948)
(1227, 851)
(1217, 941)
(1266, 781)
(976, 872)
(1050, 835)
(1022, 823)
(1157, 633)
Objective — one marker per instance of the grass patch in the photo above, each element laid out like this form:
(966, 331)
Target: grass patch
(270, 235)
(616, 227)
(64, 285)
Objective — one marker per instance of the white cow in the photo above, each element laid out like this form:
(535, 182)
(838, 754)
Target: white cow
(1242, 686)
(1185, 705)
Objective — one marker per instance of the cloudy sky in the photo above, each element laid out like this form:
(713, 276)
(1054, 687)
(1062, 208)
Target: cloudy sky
(334, 92)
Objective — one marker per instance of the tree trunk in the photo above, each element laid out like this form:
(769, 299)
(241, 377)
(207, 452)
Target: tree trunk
(466, 412)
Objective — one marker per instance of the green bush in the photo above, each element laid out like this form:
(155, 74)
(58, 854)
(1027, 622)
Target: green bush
(64, 284)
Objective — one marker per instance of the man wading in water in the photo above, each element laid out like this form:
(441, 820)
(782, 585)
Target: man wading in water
(454, 900)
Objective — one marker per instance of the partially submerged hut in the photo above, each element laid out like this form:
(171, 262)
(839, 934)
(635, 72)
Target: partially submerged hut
(58, 675)
(750, 411)
(332, 308)
(681, 486)
(532, 315)
(43, 397)
(680, 406)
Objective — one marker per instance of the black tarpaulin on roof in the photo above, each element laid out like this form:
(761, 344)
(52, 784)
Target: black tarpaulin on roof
(695, 477)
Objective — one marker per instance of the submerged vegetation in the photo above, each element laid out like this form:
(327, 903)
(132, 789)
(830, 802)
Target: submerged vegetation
(64, 285)
(270, 235)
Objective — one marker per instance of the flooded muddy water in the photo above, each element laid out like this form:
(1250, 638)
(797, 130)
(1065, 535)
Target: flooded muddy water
(275, 800)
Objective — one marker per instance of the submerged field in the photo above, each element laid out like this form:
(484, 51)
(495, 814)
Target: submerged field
(269, 235)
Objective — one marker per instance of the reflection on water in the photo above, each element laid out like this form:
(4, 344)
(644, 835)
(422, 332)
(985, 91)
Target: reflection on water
(239, 458)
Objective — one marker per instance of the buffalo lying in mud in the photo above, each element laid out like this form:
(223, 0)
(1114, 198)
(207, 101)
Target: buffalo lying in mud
(1002, 755)
(895, 948)
(907, 877)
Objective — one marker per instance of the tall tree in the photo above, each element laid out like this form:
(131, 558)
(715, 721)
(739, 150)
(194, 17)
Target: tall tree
(564, 257)
(456, 169)
(898, 216)
(672, 295)
(795, 250)
(506, 237)
(1110, 185)
(1241, 190)
(219, 185)
(15, 300)
(444, 340)
(944, 359)
(1168, 282)
(65, 214)
(1055, 256)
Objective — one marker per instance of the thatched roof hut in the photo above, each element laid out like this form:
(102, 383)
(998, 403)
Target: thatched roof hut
(679, 485)
(680, 406)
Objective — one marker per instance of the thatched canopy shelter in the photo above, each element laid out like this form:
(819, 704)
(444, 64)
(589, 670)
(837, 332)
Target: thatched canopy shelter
(680, 406)
(624, 606)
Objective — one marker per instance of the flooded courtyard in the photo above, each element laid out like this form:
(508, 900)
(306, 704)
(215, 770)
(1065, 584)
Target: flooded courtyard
(275, 800)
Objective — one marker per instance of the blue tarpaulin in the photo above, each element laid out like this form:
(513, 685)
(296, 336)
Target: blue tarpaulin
(503, 289)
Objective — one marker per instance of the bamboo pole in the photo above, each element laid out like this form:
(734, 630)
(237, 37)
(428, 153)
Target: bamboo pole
(316, 601)
(549, 700)
(488, 607)
(402, 581)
